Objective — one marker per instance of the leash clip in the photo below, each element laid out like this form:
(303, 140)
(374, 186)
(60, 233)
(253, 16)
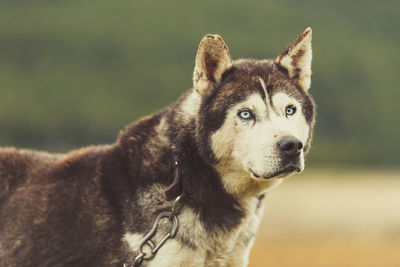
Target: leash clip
(178, 205)
(142, 255)
(172, 218)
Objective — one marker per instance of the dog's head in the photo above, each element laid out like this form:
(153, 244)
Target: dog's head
(256, 116)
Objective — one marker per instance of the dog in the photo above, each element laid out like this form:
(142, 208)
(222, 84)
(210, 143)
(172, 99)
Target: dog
(182, 187)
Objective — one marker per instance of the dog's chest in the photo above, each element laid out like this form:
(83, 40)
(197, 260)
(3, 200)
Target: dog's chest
(194, 245)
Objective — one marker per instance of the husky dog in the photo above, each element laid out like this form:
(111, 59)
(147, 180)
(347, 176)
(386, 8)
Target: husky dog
(182, 187)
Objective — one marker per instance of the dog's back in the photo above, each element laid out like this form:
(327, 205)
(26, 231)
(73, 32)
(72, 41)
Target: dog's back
(16, 166)
(46, 199)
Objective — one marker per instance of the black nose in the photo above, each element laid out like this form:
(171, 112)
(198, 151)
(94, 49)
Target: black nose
(290, 146)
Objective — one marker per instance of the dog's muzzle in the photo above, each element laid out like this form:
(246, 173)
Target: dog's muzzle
(290, 149)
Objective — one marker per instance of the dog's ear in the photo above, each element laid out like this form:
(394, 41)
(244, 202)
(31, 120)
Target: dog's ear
(296, 59)
(212, 60)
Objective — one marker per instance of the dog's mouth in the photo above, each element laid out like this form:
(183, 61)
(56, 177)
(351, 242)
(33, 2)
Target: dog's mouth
(280, 173)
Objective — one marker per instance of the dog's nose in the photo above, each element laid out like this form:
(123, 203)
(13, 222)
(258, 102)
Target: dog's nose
(290, 146)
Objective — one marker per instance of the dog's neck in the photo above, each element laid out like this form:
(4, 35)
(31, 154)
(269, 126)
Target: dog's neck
(149, 143)
(146, 146)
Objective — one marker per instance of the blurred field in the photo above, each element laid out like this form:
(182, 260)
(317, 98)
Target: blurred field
(73, 73)
(331, 219)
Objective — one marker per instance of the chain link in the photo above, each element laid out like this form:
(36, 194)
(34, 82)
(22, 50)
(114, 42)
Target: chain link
(171, 216)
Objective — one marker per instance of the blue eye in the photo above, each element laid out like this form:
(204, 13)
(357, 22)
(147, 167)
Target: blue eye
(246, 115)
(290, 110)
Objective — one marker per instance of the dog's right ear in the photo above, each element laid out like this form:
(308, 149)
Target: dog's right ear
(212, 60)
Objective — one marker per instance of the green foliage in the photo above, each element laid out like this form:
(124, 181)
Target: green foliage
(73, 73)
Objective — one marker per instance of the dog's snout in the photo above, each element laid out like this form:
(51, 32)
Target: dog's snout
(290, 146)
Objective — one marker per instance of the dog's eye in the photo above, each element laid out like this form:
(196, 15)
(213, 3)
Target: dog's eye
(290, 110)
(246, 115)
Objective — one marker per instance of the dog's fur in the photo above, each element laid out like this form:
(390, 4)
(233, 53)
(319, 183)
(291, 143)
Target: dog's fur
(93, 206)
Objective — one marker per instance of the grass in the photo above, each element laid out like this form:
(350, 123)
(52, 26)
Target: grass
(331, 219)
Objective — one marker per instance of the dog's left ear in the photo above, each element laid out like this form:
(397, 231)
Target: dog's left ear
(212, 60)
(296, 59)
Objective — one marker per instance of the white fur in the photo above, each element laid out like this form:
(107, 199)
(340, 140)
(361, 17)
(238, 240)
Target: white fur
(267, 100)
(190, 106)
(133, 240)
(217, 249)
(245, 147)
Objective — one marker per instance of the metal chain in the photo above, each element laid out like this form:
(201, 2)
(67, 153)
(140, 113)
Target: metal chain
(173, 219)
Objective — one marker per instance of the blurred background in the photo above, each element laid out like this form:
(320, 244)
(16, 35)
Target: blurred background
(74, 73)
